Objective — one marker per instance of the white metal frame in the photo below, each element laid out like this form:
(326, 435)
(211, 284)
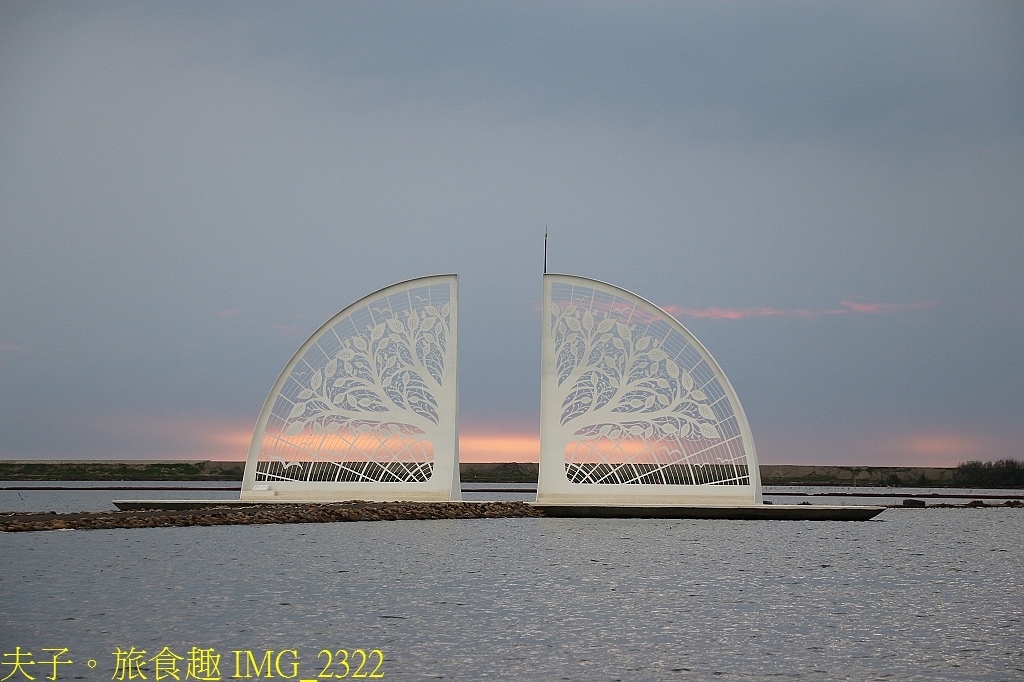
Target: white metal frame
(634, 410)
(367, 408)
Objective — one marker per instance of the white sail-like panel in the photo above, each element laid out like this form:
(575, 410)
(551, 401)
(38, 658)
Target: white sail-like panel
(367, 407)
(634, 410)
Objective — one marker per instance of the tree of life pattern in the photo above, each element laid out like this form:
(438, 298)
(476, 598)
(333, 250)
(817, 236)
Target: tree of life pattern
(362, 401)
(639, 401)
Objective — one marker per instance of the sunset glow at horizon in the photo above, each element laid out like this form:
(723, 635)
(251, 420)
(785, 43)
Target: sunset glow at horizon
(182, 439)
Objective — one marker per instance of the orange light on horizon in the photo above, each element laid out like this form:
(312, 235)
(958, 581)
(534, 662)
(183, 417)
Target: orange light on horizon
(498, 447)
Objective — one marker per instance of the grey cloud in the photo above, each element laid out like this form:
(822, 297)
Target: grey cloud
(163, 162)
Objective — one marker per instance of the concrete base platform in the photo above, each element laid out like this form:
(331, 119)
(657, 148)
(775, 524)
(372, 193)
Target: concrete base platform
(778, 512)
(792, 512)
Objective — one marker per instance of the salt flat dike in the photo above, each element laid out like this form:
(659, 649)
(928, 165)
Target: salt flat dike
(506, 472)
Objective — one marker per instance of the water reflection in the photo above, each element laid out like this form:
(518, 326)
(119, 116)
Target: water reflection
(931, 594)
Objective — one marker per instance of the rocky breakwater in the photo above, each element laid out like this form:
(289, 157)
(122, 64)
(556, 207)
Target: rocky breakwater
(267, 513)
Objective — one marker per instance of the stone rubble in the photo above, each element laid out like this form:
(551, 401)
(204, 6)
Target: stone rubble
(268, 513)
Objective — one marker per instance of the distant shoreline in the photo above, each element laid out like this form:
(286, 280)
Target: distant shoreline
(501, 472)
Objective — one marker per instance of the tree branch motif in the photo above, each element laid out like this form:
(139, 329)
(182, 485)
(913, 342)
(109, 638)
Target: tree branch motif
(380, 385)
(618, 384)
(634, 414)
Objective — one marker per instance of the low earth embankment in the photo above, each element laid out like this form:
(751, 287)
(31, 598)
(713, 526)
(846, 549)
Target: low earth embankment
(504, 472)
(915, 477)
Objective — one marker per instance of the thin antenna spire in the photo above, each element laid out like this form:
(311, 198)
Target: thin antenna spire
(545, 249)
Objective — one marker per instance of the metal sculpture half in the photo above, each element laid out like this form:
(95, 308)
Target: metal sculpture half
(634, 410)
(367, 407)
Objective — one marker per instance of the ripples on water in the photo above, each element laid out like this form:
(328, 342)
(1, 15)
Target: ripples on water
(929, 594)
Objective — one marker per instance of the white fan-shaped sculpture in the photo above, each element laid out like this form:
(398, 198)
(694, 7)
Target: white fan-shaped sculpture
(634, 410)
(367, 407)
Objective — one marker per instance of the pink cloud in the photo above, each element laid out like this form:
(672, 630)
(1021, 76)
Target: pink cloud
(740, 313)
(881, 308)
(734, 313)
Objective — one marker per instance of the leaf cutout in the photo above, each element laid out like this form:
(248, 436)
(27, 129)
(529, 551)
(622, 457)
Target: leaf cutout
(617, 342)
(649, 403)
(571, 310)
(427, 324)
(706, 411)
(395, 326)
(332, 427)
(624, 331)
(643, 342)
(709, 431)
(378, 331)
(295, 429)
(655, 354)
(331, 369)
(316, 381)
(573, 324)
(663, 400)
(698, 395)
(305, 394)
(360, 343)
(670, 429)
(414, 322)
(346, 354)
(297, 409)
(687, 381)
(672, 368)
(605, 325)
(430, 310)
(588, 321)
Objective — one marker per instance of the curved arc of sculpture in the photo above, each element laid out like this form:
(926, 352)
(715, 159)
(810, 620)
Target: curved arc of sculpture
(634, 408)
(367, 408)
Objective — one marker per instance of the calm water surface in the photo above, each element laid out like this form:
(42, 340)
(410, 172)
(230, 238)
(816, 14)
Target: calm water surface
(929, 594)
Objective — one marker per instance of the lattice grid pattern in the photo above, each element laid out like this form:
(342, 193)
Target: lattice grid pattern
(363, 399)
(639, 402)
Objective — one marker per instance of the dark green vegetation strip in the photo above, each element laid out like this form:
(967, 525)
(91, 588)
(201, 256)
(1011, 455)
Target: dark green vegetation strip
(1002, 474)
(121, 471)
(1006, 473)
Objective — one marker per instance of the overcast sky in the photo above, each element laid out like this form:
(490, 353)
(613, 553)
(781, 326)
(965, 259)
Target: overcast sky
(830, 196)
